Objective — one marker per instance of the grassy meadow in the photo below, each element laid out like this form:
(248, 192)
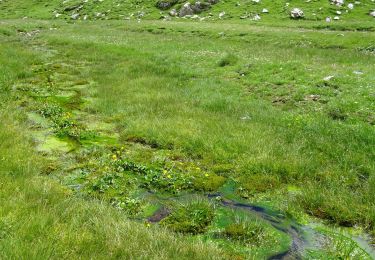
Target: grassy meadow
(157, 139)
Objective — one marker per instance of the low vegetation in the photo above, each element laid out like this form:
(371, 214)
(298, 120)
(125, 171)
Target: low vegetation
(214, 138)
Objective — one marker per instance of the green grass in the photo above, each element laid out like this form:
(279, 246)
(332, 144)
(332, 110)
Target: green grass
(179, 107)
(41, 219)
(231, 118)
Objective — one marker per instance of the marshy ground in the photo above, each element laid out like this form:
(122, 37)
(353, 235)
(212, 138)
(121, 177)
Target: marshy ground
(182, 139)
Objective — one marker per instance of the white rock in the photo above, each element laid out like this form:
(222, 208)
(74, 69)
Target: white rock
(173, 12)
(328, 19)
(221, 15)
(265, 11)
(336, 18)
(337, 2)
(338, 12)
(328, 78)
(74, 16)
(296, 13)
(372, 13)
(256, 18)
(350, 6)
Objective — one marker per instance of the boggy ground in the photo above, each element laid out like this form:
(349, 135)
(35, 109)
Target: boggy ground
(275, 119)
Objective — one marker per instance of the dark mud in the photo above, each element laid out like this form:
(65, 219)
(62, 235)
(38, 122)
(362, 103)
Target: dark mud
(159, 215)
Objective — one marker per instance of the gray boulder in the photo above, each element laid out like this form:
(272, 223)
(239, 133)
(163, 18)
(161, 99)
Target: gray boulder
(199, 7)
(165, 4)
(186, 9)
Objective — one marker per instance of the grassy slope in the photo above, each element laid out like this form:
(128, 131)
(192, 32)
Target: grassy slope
(40, 219)
(315, 11)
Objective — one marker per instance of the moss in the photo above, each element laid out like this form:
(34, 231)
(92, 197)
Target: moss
(208, 182)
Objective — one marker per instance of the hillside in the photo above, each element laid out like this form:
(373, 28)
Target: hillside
(130, 130)
(246, 11)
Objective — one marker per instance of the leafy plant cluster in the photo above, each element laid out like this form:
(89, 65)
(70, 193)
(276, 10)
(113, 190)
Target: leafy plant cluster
(63, 123)
(160, 179)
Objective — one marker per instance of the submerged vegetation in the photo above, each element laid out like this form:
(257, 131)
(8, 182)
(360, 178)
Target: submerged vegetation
(208, 140)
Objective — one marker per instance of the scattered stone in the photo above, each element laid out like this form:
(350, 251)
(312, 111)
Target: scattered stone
(256, 18)
(74, 16)
(328, 19)
(350, 6)
(312, 98)
(357, 72)
(336, 18)
(337, 2)
(141, 14)
(221, 15)
(173, 12)
(372, 13)
(265, 11)
(296, 13)
(328, 78)
(338, 12)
